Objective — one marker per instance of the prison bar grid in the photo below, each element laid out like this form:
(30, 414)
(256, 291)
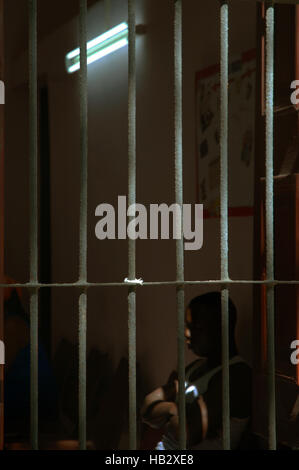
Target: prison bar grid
(33, 285)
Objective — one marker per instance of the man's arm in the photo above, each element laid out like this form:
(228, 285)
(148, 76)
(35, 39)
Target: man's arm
(159, 406)
(196, 422)
(159, 413)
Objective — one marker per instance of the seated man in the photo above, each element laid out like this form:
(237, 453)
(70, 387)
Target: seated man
(204, 383)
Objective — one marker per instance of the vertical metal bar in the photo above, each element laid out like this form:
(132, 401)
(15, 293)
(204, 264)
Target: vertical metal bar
(83, 225)
(297, 107)
(82, 369)
(1, 224)
(178, 136)
(224, 218)
(270, 221)
(131, 243)
(33, 221)
(34, 367)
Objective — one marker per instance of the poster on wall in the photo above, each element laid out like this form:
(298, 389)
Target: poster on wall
(241, 97)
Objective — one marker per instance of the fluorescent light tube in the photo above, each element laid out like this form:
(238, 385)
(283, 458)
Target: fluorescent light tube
(99, 47)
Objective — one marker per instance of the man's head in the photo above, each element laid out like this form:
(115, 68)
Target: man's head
(203, 325)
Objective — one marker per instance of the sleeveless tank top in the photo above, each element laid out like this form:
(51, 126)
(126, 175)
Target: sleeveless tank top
(195, 388)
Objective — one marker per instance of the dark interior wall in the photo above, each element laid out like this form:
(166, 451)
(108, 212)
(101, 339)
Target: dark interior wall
(107, 88)
(51, 17)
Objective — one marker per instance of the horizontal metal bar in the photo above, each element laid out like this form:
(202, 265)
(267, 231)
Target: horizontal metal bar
(283, 2)
(84, 285)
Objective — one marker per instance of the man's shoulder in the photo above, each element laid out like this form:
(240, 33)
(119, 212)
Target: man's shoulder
(240, 367)
(240, 385)
(240, 382)
(196, 369)
(240, 374)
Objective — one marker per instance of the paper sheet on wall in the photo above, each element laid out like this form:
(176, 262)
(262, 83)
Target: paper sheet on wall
(241, 136)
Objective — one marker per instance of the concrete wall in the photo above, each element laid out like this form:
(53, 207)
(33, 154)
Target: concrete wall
(107, 260)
